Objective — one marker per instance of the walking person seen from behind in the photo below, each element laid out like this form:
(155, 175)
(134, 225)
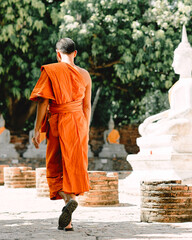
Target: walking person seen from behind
(63, 93)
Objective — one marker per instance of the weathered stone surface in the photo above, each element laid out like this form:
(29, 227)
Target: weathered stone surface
(41, 183)
(19, 177)
(113, 150)
(32, 152)
(2, 173)
(104, 189)
(166, 201)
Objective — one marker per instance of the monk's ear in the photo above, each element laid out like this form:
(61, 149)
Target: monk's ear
(75, 53)
(58, 56)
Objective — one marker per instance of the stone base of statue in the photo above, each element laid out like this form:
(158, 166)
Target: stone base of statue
(8, 151)
(113, 150)
(155, 167)
(165, 144)
(90, 154)
(182, 165)
(32, 152)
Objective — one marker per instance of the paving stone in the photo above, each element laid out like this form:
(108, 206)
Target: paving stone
(24, 216)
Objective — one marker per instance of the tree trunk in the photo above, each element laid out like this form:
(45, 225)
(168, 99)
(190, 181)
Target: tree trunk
(19, 112)
(95, 103)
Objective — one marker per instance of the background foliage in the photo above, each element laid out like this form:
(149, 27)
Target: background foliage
(126, 45)
(29, 30)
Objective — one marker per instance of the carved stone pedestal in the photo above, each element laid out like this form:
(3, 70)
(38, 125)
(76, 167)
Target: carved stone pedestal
(113, 150)
(182, 165)
(8, 151)
(32, 152)
(149, 168)
(90, 153)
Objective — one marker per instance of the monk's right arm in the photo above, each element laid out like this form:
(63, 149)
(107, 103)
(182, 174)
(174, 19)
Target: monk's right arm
(41, 111)
(87, 100)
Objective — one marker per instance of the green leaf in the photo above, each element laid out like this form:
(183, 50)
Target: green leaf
(38, 24)
(16, 92)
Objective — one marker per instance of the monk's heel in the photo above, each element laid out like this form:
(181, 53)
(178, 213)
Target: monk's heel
(65, 217)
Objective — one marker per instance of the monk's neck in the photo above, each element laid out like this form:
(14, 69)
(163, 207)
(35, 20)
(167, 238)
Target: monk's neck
(68, 60)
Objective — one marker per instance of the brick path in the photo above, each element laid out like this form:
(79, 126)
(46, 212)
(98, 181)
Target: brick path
(23, 216)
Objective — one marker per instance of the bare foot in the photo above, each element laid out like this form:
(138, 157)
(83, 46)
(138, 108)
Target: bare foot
(69, 226)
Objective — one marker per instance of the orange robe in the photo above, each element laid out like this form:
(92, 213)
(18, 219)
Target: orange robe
(2, 129)
(113, 136)
(67, 143)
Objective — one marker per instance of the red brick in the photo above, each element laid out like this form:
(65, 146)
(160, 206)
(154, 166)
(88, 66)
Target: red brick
(16, 177)
(2, 173)
(41, 183)
(104, 189)
(166, 202)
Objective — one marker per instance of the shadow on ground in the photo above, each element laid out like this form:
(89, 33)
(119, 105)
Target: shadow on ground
(47, 229)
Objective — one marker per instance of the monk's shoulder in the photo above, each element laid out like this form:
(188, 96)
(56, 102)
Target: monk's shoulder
(51, 66)
(85, 74)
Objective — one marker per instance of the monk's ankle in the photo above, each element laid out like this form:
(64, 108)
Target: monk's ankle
(69, 226)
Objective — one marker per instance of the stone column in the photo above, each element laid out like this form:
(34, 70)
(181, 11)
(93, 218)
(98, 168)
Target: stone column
(41, 183)
(166, 201)
(19, 177)
(2, 173)
(104, 189)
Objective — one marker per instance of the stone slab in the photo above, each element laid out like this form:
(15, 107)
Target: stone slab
(179, 165)
(23, 216)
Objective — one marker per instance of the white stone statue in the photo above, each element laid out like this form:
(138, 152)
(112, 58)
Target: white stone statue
(112, 148)
(33, 152)
(5, 133)
(31, 135)
(171, 130)
(7, 150)
(111, 136)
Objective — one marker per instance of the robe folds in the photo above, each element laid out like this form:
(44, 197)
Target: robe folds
(67, 134)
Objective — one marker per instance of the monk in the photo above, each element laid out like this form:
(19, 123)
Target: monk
(63, 92)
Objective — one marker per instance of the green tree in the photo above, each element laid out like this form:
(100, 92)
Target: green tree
(160, 35)
(128, 47)
(29, 30)
(103, 32)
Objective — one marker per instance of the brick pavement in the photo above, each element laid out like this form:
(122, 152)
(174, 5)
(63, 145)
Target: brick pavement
(23, 216)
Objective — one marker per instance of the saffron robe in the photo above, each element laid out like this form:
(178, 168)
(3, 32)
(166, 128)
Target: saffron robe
(113, 136)
(67, 143)
(2, 129)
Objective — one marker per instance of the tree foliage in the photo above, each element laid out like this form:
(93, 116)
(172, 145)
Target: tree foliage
(128, 48)
(29, 30)
(126, 45)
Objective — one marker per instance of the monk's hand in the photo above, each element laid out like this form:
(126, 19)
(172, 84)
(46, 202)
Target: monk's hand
(36, 139)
